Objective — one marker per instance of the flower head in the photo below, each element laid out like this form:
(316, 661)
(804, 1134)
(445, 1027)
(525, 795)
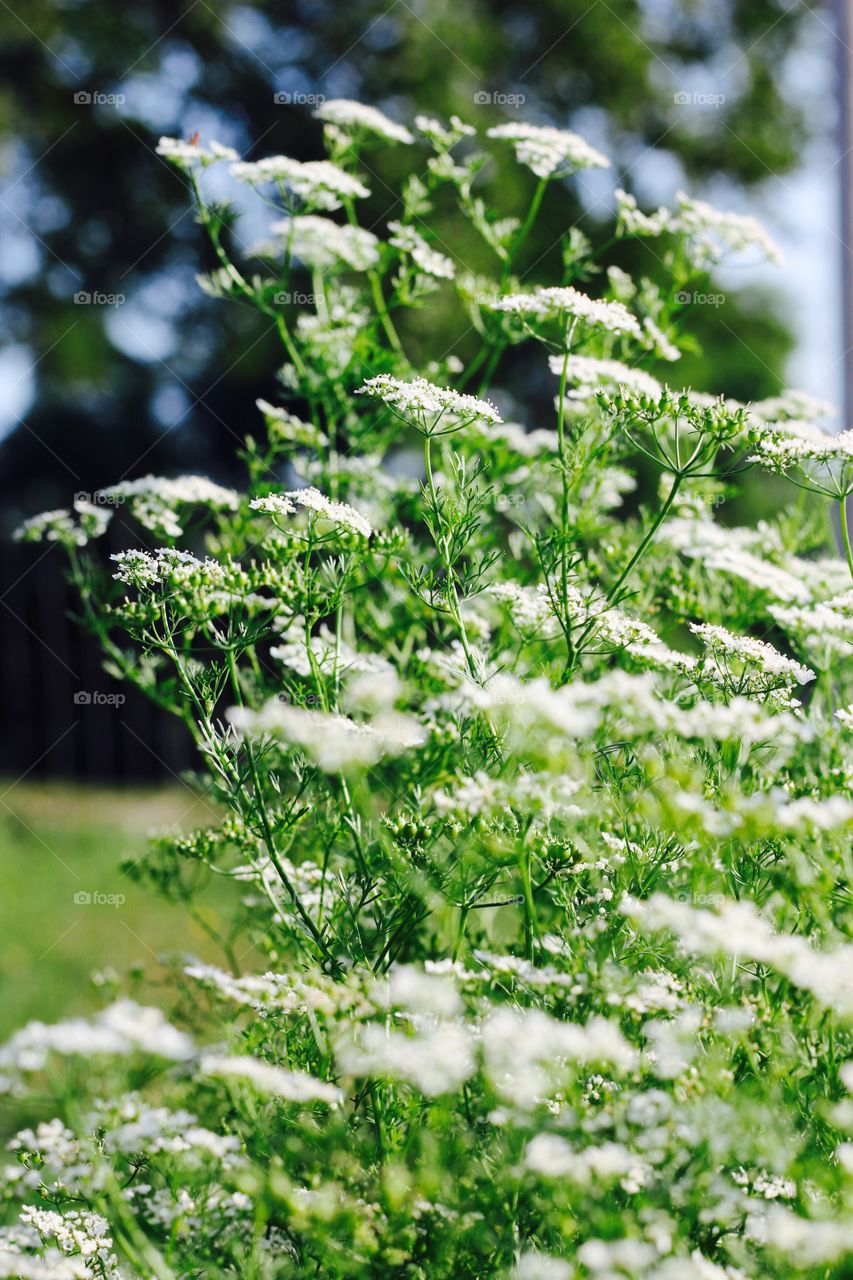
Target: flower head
(158, 502)
(319, 184)
(562, 301)
(184, 154)
(356, 117)
(426, 259)
(340, 513)
(431, 409)
(284, 425)
(321, 243)
(826, 461)
(549, 152)
(72, 528)
(589, 374)
(710, 231)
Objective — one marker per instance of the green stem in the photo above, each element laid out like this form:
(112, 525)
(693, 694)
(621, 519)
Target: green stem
(441, 544)
(382, 312)
(376, 290)
(845, 531)
(489, 371)
(653, 528)
(460, 931)
(442, 547)
(564, 505)
(269, 841)
(526, 225)
(531, 929)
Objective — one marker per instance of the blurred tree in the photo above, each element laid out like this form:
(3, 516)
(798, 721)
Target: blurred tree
(87, 207)
(153, 376)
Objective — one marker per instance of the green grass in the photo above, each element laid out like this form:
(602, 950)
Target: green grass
(58, 841)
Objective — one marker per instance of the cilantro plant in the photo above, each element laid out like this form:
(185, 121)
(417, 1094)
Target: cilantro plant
(534, 798)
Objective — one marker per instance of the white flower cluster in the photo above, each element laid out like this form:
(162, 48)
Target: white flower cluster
(186, 153)
(517, 439)
(81, 1237)
(730, 551)
(74, 528)
(252, 990)
(738, 930)
(436, 1059)
(714, 229)
(184, 490)
(326, 654)
(125, 1027)
(132, 1127)
(632, 221)
(549, 152)
(167, 565)
(319, 184)
(339, 513)
(575, 711)
(533, 613)
(431, 409)
(409, 241)
(280, 1082)
(588, 373)
(755, 653)
(334, 742)
(156, 501)
(357, 117)
(711, 231)
(564, 301)
(527, 1053)
(443, 137)
(793, 405)
(823, 625)
(815, 452)
(531, 793)
(529, 607)
(285, 425)
(321, 243)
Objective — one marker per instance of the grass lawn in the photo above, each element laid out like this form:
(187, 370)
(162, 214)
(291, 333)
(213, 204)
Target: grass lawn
(61, 844)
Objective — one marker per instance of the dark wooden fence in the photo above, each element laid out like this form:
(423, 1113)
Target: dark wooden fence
(63, 716)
